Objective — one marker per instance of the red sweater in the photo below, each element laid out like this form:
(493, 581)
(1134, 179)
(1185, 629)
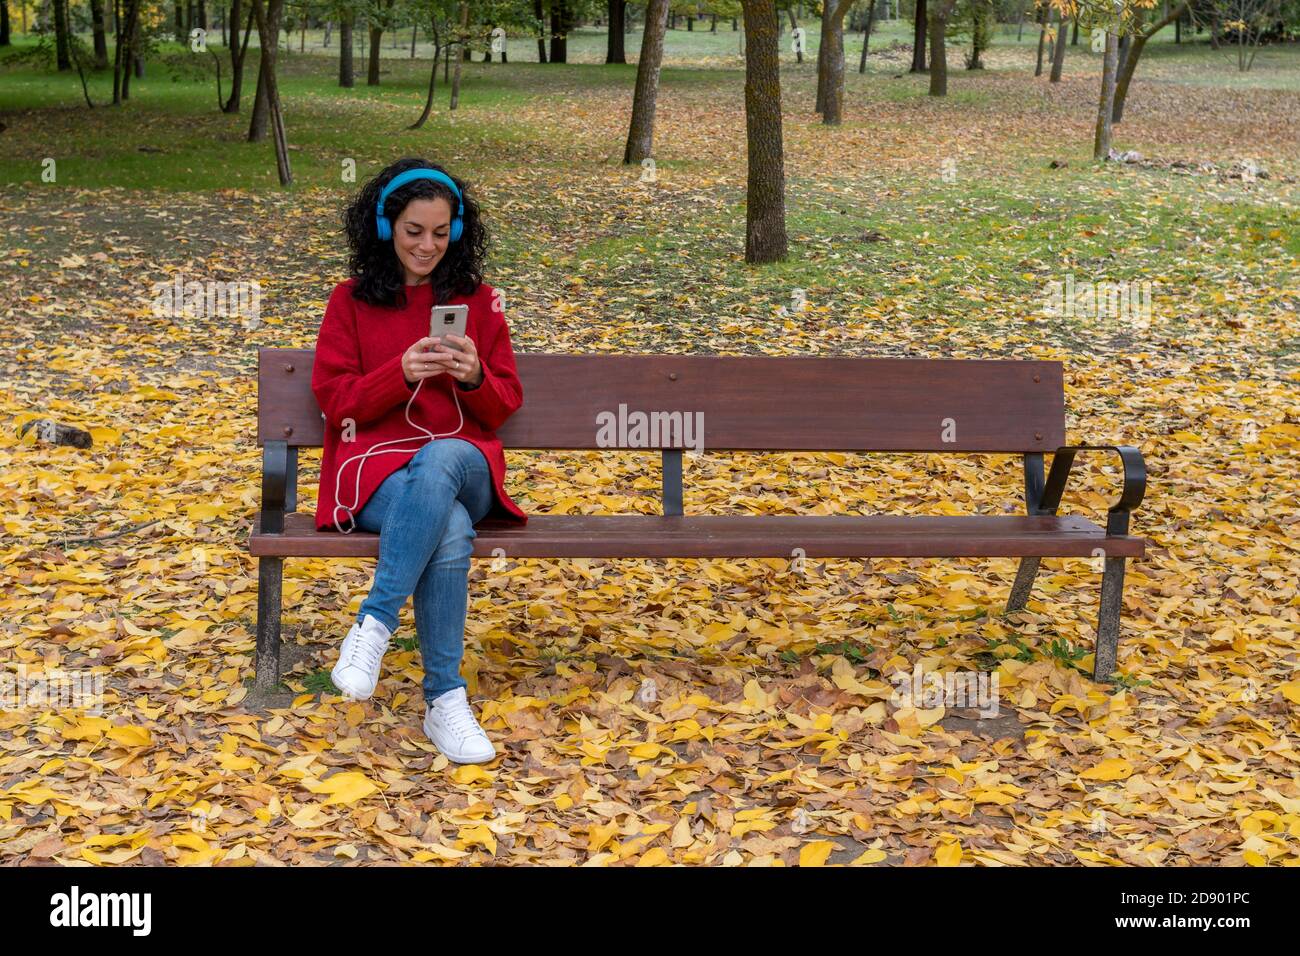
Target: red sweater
(358, 376)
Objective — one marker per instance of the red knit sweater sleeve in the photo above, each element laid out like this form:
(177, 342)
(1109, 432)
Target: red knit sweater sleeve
(343, 390)
(501, 393)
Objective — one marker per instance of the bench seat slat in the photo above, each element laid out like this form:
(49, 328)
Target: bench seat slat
(737, 536)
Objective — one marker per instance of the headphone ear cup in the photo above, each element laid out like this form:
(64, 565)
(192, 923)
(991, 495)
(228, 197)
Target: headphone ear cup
(384, 228)
(457, 227)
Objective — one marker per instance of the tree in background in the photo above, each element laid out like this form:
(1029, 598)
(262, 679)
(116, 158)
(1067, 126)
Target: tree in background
(1040, 17)
(462, 39)
(830, 62)
(920, 29)
(61, 33)
(562, 21)
(976, 17)
(617, 13)
(973, 20)
(868, 26)
(128, 21)
(238, 53)
(438, 14)
(1058, 49)
(346, 12)
(268, 92)
(1146, 26)
(940, 12)
(268, 37)
(765, 234)
(1246, 24)
(641, 130)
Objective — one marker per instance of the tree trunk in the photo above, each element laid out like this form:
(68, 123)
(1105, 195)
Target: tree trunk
(268, 27)
(560, 23)
(463, 40)
(433, 80)
(823, 49)
(866, 36)
(127, 23)
(4, 23)
(1042, 40)
(938, 47)
(1125, 72)
(641, 130)
(238, 56)
(268, 35)
(798, 53)
(832, 64)
(614, 52)
(1125, 76)
(979, 33)
(97, 26)
(347, 78)
(918, 39)
(61, 33)
(765, 234)
(540, 14)
(372, 68)
(1101, 140)
(1058, 51)
(72, 50)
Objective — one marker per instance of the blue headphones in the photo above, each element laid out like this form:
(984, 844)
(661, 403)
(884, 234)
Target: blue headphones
(385, 228)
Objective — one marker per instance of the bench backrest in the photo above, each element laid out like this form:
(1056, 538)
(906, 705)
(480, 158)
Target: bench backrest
(748, 403)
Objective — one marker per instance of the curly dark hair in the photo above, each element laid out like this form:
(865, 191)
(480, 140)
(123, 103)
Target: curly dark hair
(374, 264)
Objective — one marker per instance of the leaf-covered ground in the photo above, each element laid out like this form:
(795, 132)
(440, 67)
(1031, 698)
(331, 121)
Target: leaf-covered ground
(656, 712)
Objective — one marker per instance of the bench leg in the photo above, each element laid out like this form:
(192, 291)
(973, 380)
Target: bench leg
(1024, 583)
(270, 572)
(1112, 602)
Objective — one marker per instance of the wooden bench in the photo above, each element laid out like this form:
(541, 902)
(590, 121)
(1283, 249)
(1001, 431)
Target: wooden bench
(749, 403)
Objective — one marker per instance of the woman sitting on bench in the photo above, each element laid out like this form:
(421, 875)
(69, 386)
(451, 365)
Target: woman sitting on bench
(388, 389)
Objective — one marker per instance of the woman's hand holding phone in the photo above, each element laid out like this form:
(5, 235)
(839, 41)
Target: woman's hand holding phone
(430, 356)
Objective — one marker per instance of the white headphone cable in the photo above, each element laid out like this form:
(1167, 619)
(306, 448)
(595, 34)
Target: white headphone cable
(356, 498)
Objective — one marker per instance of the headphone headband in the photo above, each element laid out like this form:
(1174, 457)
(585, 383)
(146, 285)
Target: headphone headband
(385, 228)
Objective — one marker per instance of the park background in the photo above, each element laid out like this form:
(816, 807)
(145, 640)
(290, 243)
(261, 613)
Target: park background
(656, 712)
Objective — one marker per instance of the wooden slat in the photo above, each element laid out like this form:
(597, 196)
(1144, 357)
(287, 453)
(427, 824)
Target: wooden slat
(735, 536)
(748, 403)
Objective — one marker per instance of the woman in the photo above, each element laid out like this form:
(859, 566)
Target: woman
(386, 388)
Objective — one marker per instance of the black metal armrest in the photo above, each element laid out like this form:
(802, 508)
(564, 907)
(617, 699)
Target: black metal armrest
(275, 484)
(1135, 483)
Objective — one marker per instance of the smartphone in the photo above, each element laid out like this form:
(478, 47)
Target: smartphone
(448, 320)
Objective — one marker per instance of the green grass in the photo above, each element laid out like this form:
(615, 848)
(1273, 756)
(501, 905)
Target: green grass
(171, 136)
(999, 233)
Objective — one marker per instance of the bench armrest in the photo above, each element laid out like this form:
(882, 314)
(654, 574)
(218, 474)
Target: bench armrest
(275, 486)
(1135, 483)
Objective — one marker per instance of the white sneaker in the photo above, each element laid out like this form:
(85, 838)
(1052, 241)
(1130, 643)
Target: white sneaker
(450, 724)
(357, 671)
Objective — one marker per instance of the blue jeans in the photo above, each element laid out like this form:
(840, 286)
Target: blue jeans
(424, 514)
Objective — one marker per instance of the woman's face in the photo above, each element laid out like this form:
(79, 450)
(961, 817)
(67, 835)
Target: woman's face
(420, 236)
